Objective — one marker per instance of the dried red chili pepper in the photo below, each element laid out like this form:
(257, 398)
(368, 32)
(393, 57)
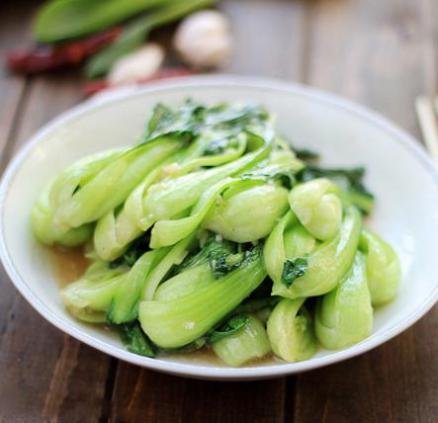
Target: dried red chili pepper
(71, 54)
(93, 87)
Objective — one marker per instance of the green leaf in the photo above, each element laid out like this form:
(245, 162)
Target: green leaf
(162, 116)
(306, 154)
(281, 167)
(234, 325)
(255, 305)
(135, 33)
(217, 146)
(285, 177)
(167, 122)
(135, 250)
(135, 340)
(221, 263)
(293, 269)
(60, 20)
(222, 256)
(211, 246)
(345, 178)
(222, 123)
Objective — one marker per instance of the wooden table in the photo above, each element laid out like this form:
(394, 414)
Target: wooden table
(380, 53)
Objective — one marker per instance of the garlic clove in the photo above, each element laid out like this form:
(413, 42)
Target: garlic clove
(136, 66)
(203, 39)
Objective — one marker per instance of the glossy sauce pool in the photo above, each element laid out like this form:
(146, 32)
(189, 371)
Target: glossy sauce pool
(70, 264)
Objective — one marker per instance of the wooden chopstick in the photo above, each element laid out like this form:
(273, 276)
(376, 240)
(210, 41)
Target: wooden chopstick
(427, 112)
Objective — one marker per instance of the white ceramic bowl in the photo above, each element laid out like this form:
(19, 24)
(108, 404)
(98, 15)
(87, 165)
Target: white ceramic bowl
(400, 174)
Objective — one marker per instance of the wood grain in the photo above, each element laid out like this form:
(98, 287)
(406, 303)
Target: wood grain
(258, 401)
(270, 37)
(144, 396)
(374, 54)
(45, 99)
(62, 380)
(12, 88)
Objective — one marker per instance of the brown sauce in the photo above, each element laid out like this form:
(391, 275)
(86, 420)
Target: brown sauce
(206, 356)
(69, 264)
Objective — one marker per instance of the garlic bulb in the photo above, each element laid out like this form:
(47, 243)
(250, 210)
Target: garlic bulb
(137, 66)
(203, 40)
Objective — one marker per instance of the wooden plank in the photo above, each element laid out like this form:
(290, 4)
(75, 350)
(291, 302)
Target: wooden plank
(59, 377)
(263, 47)
(370, 53)
(269, 37)
(374, 53)
(12, 88)
(141, 395)
(47, 97)
(234, 402)
(46, 376)
(12, 33)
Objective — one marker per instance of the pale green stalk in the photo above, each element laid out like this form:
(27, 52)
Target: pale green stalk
(383, 268)
(318, 207)
(344, 316)
(249, 343)
(328, 263)
(177, 322)
(290, 331)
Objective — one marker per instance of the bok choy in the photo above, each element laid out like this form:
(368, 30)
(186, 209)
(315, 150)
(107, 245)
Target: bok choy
(211, 233)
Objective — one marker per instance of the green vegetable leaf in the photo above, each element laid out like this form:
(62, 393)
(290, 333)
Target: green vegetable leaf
(218, 146)
(221, 263)
(211, 248)
(285, 177)
(135, 33)
(293, 269)
(222, 256)
(306, 154)
(162, 117)
(255, 305)
(135, 340)
(66, 19)
(345, 178)
(164, 121)
(222, 123)
(234, 325)
(223, 116)
(225, 256)
(135, 250)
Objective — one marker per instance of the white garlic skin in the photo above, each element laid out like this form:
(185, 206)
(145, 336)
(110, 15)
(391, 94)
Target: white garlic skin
(203, 39)
(137, 66)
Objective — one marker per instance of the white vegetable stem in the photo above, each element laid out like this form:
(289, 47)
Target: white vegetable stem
(137, 66)
(203, 40)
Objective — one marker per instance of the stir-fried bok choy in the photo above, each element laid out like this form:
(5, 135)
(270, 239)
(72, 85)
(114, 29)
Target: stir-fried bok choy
(213, 233)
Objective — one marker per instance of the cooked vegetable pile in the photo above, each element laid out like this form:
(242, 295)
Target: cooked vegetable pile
(213, 232)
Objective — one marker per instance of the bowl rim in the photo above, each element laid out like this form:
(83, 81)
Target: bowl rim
(216, 81)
